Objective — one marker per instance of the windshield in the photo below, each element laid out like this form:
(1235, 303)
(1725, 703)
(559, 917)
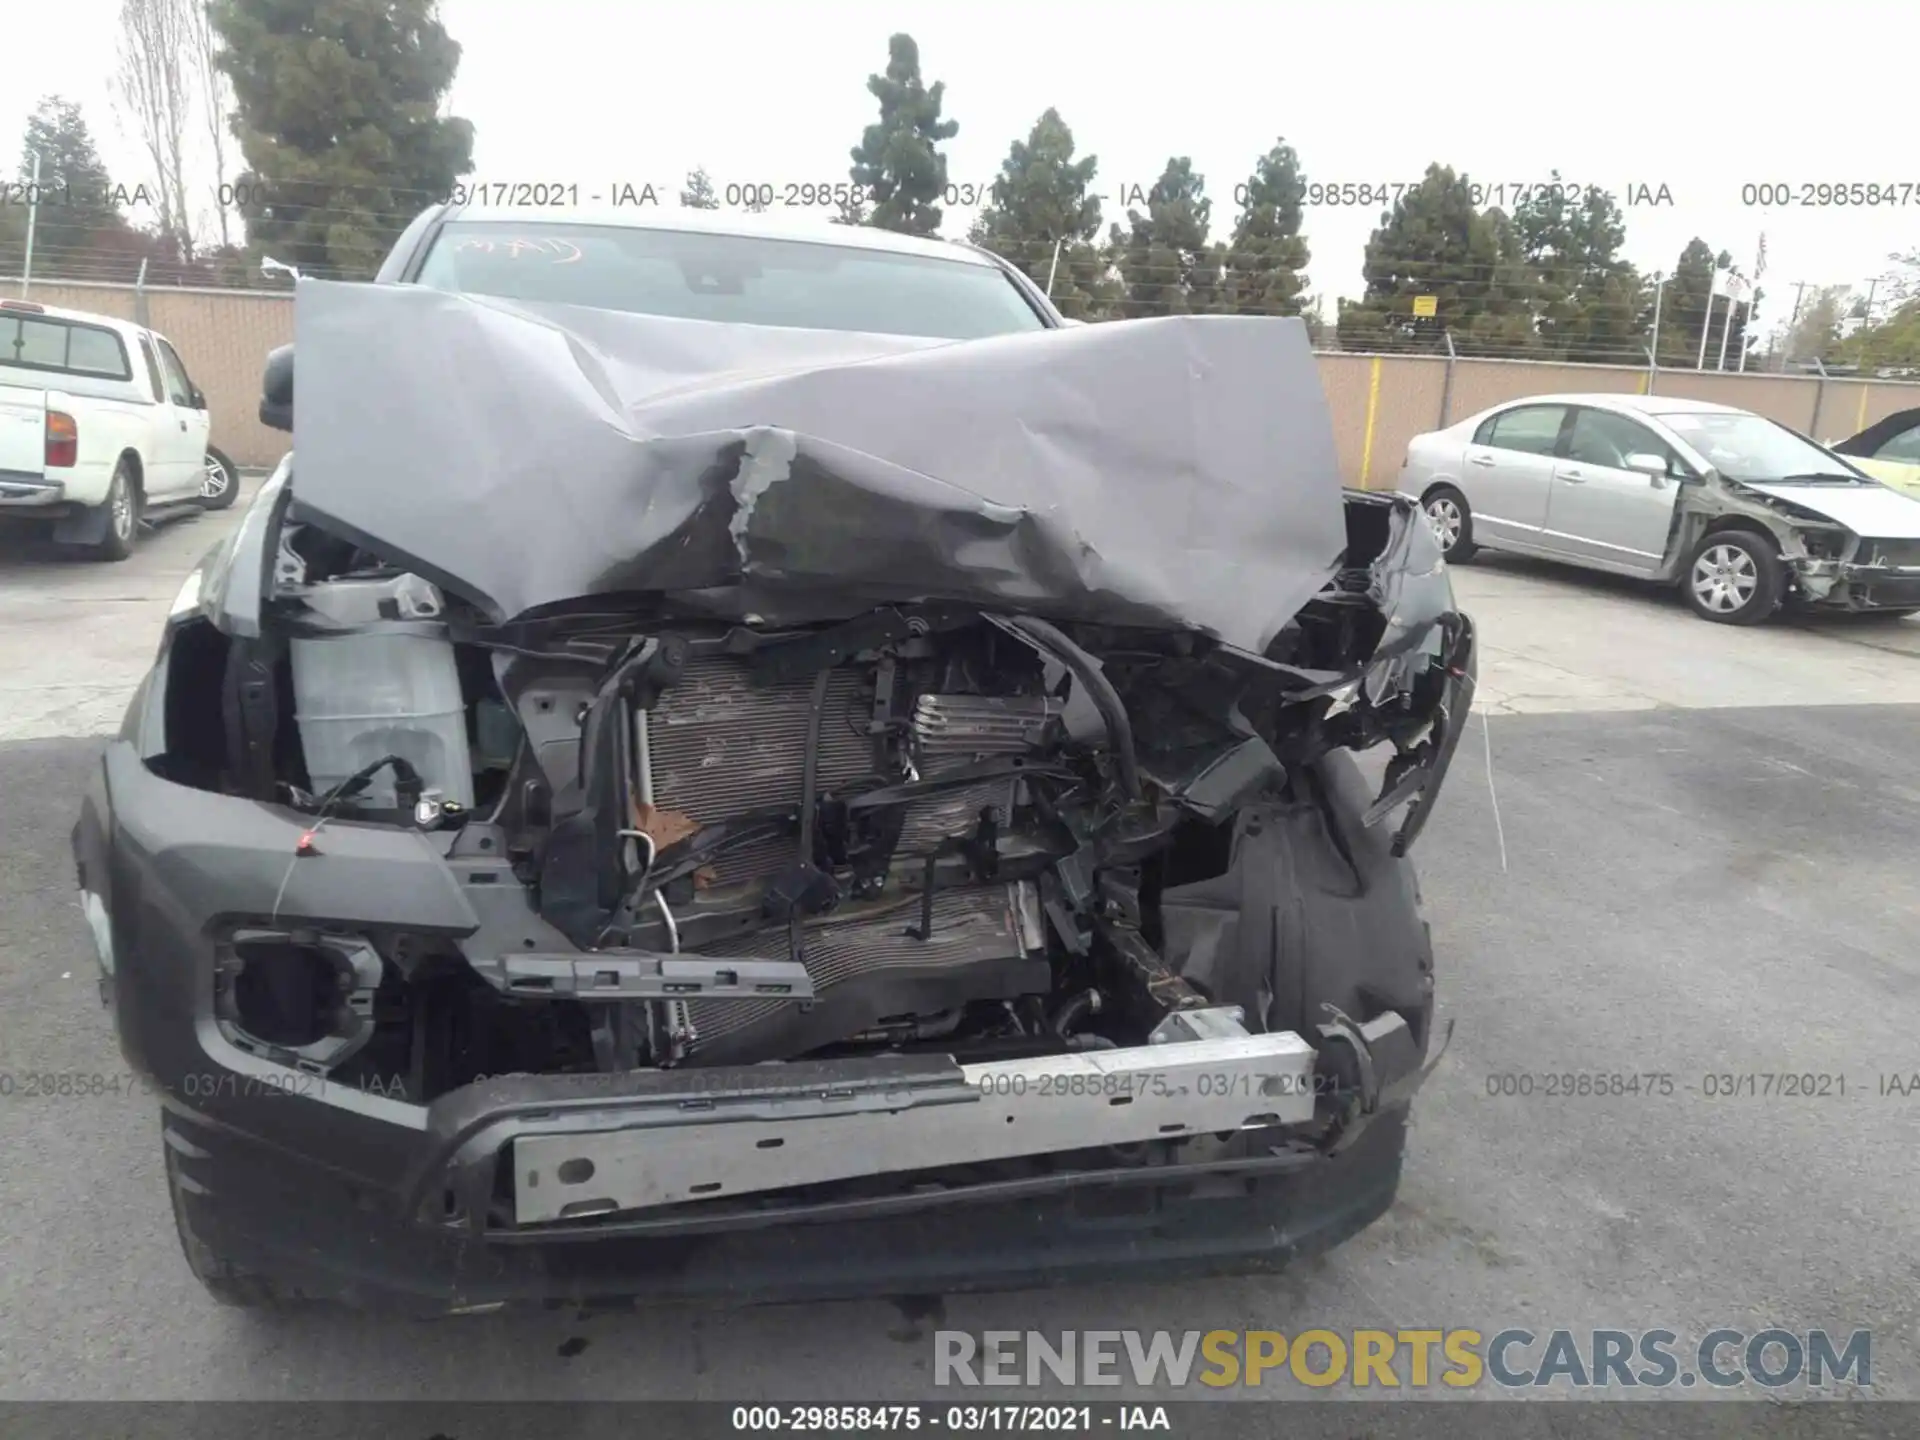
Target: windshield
(739, 279)
(1747, 447)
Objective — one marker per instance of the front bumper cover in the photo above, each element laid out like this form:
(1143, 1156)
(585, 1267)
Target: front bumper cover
(331, 1240)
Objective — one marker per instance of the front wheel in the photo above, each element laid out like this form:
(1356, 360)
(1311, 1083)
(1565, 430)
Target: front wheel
(227, 1282)
(1734, 578)
(219, 483)
(1452, 522)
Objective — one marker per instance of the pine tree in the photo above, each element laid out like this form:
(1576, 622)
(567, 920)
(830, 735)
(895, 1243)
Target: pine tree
(1684, 305)
(1499, 321)
(1433, 242)
(338, 118)
(1586, 300)
(1164, 256)
(898, 161)
(1267, 257)
(81, 200)
(1040, 201)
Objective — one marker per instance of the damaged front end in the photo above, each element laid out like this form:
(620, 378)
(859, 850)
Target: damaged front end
(753, 891)
(1850, 549)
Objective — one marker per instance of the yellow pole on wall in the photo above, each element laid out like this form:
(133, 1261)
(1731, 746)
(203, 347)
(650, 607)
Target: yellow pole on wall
(1860, 417)
(1373, 409)
(1645, 379)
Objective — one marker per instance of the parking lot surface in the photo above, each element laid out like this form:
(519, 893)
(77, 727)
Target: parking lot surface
(1700, 863)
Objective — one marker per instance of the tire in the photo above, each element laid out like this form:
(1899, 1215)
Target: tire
(221, 483)
(123, 505)
(1452, 521)
(230, 1284)
(1734, 577)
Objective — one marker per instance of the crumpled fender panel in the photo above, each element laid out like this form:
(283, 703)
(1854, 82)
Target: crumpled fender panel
(1308, 907)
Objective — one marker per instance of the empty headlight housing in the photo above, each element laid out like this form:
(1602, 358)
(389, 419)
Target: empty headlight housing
(297, 997)
(1824, 544)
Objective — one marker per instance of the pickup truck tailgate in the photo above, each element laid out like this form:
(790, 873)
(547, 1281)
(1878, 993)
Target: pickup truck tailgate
(23, 432)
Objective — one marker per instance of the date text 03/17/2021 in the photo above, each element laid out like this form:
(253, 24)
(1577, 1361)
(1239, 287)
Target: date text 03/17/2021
(752, 195)
(1786, 1085)
(78, 1085)
(1070, 1419)
(1378, 194)
(1708, 1085)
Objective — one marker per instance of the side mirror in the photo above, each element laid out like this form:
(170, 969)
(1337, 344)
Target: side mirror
(199, 397)
(276, 390)
(1648, 464)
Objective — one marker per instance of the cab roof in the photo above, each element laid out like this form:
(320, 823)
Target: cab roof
(772, 224)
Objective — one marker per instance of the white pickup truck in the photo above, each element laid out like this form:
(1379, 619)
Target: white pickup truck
(100, 428)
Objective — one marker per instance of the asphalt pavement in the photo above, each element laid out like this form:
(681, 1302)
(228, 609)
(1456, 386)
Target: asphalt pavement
(1682, 877)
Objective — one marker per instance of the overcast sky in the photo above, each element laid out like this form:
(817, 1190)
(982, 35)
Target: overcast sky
(1696, 97)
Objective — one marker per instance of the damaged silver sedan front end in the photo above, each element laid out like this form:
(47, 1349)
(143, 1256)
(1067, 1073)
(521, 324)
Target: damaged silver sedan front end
(647, 778)
(1854, 549)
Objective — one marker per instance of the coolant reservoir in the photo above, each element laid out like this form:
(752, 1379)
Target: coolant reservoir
(359, 698)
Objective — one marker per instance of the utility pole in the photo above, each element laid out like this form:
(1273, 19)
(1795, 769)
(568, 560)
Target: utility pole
(1706, 321)
(1734, 286)
(1659, 293)
(33, 213)
(1786, 341)
(1753, 305)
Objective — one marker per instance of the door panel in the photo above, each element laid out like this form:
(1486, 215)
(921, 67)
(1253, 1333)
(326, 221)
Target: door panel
(184, 430)
(1598, 509)
(1507, 470)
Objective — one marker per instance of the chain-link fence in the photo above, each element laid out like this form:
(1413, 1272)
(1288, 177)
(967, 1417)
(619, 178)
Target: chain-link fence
(1381, 393)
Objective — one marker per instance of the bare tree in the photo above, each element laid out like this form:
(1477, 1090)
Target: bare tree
(1904, 283)
(1815, 331)
(214, 97)
(152, 84)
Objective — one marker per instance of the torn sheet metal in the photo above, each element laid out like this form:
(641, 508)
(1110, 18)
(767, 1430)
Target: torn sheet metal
(1168, 472)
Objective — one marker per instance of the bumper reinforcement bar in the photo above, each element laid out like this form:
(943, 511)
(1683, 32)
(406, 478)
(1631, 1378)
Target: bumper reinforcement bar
(679, 1151)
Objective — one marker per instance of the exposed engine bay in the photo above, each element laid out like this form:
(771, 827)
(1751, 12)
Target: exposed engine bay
(926, 828)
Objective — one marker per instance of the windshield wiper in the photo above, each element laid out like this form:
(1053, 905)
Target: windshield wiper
(1817, 477)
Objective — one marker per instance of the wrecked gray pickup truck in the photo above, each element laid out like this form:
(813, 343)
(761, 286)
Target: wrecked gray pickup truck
(652, 808)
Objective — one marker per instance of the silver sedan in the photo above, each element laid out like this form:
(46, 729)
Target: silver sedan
(1741, 513)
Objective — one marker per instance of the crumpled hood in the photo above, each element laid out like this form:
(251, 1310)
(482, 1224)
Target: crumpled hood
(1874, 512)
(1166, 472)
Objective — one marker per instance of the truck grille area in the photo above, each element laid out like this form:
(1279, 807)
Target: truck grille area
(954, 730)
(721, 746)
(1902, 554)
(985, 945)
